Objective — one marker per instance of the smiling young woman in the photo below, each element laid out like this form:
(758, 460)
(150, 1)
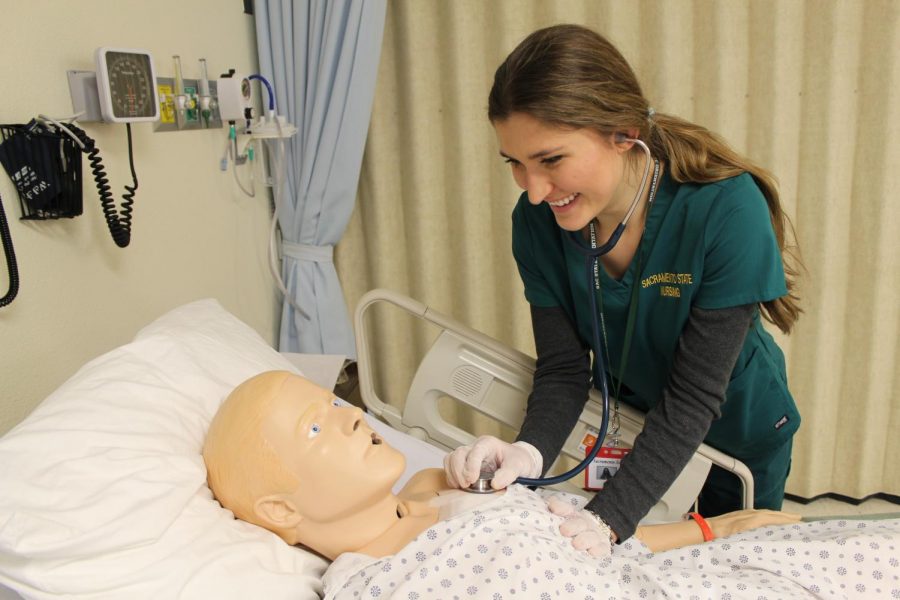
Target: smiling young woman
(681, 296)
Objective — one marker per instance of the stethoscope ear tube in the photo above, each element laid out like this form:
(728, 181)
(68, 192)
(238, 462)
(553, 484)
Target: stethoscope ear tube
(575, 236)
(604, 392)
(595, 253)
(545, 481)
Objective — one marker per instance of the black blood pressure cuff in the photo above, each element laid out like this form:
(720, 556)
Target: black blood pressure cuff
(33, 159)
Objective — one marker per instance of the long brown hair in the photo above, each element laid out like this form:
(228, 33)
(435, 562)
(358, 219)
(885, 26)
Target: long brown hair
(572, 77)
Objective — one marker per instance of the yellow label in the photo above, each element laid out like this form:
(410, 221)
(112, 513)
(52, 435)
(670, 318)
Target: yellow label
(166, 103)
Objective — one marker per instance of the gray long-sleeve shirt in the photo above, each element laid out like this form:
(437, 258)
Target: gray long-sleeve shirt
(704, 359)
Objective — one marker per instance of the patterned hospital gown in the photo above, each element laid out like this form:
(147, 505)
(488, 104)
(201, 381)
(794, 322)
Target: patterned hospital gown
(510, 548)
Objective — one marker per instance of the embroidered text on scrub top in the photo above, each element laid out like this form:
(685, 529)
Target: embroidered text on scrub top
(667, 283)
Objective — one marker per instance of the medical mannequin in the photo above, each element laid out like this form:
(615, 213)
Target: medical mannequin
(281, 454)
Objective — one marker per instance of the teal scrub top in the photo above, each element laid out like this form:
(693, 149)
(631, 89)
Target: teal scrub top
(707, 245)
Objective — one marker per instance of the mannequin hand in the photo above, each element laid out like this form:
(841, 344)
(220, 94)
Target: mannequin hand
(742, 520)
(508, 461)
(583, 527)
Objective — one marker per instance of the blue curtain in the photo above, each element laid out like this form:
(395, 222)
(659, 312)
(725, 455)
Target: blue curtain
(322, 59)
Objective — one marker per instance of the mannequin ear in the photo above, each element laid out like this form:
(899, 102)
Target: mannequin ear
(277, 512)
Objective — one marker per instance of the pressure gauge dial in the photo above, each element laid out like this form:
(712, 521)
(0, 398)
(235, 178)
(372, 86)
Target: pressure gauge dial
(126, 85)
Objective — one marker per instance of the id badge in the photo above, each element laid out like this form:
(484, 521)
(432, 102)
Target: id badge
(604, 466)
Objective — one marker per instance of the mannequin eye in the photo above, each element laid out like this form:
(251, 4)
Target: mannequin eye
(336, 403)
(314, 430)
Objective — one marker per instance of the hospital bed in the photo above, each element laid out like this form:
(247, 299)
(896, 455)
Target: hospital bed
(103, 489)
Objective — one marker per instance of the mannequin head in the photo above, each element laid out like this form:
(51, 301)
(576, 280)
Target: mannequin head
(280, 453)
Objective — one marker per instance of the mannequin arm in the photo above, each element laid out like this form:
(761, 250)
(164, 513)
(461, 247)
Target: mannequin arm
(685, 533)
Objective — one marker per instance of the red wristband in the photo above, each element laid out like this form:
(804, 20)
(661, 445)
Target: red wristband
(704, 526)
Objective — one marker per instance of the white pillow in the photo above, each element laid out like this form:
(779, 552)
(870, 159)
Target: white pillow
(103, 489)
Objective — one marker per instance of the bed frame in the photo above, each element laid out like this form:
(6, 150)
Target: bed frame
(495, 380)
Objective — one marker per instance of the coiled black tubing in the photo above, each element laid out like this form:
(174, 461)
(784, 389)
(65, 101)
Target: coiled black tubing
(119, 222)
(11, 266)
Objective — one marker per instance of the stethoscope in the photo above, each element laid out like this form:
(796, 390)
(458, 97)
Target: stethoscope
(592, 254)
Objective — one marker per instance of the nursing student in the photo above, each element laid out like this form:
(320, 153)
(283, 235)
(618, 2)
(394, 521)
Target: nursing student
(680, 297)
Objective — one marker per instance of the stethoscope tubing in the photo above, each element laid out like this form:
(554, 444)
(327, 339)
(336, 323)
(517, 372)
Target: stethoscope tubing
(606, 248)
(592, 255)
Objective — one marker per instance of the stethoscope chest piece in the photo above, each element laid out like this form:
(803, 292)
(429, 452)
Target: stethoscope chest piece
(482, 485)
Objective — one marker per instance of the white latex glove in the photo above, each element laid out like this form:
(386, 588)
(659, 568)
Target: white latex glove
(507, 461)
(587, 531)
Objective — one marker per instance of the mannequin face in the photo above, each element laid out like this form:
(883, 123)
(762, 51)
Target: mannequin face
(340, 464)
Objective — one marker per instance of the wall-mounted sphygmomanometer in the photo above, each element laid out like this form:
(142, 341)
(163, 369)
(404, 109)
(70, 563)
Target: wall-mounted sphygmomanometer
(126, 84)
(121, 90)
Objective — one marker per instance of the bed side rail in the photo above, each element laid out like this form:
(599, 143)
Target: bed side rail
(495, 380)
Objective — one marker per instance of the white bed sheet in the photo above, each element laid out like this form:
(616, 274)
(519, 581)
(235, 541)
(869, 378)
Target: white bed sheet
(104, 489)
(510, 547)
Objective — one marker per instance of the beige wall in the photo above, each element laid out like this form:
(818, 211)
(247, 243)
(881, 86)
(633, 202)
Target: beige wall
(194, 234)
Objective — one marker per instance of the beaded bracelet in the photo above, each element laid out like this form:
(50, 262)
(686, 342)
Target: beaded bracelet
(604, 528)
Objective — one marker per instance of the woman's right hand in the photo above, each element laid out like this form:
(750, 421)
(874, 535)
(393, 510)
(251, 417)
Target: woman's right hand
(507, 461)
(742, 520)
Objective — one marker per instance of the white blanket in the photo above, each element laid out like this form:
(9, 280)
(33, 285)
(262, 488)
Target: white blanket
(510, 547)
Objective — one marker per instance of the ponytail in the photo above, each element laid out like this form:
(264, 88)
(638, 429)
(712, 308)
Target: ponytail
(695, 154)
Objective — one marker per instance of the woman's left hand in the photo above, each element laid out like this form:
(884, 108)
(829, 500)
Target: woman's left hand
(586, 530)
